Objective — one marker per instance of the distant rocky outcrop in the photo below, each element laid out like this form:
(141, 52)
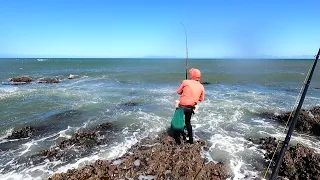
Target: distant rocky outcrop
(130, 104)
(299, 162)
(205, 83)
(20, 80)
(160, 158)
(308, 120)
(28, 80)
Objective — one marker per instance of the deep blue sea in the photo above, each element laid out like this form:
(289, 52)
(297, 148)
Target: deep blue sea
(238, 91)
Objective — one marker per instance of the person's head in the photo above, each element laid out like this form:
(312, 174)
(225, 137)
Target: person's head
(195, 74)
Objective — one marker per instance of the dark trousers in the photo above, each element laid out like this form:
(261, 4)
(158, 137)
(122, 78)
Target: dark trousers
(187, 118)
(188, 111)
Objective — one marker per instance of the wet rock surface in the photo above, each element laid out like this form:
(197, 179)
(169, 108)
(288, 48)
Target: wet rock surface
(82, 143)
(26, 132)
(299, 162)
(22, 133)
(308, 120)
(82, 140)
(159, 158)
(49, 124)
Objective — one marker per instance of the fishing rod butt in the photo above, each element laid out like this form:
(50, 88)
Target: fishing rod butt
(276, 167)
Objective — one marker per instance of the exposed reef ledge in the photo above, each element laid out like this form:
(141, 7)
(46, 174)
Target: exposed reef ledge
(159, 158)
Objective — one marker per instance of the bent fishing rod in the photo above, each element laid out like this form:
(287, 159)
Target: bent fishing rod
(293, 123)
(185, 32)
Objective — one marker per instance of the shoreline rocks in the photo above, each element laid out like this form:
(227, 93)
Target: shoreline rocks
(159, 158)
(83, 139)
(308, 120)
(299, 162)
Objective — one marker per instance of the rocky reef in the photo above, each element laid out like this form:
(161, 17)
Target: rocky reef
(20, 80)
(308, 120)
(158, 158)
(299, 162)
(82, 140)
(23, 132)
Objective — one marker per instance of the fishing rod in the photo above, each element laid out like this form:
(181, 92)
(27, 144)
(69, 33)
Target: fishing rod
(293, 123)
(185, 32)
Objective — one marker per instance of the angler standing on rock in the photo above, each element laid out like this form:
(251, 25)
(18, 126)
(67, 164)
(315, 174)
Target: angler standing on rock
(191, 91)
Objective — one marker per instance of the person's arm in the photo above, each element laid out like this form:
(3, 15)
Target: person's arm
(180, 90)
(202, 96)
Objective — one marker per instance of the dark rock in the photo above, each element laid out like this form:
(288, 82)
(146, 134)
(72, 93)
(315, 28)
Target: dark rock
(159, 158)
(299, 162)
(205, 83)
(49, 80)
(104, 126)
(22, 133)
(21, 80)
(308, 120)
(28, 131)
(316, 129)
(130, 104)
(83, 139)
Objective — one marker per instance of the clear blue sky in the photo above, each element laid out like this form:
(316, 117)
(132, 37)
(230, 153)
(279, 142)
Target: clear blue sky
(139, 28)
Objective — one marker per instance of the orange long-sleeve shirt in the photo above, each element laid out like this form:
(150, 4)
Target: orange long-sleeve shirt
(191, 92)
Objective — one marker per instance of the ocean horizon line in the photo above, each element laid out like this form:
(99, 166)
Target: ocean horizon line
(155, 58)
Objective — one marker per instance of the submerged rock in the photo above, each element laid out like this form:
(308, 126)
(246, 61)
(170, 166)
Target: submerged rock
(130, 104)
(103, 126)
(52, 123)
(159, 158)
(308, 120)
(299, 162)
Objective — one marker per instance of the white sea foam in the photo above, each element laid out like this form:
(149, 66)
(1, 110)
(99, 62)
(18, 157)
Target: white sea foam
(62, 133)
(5, 134)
